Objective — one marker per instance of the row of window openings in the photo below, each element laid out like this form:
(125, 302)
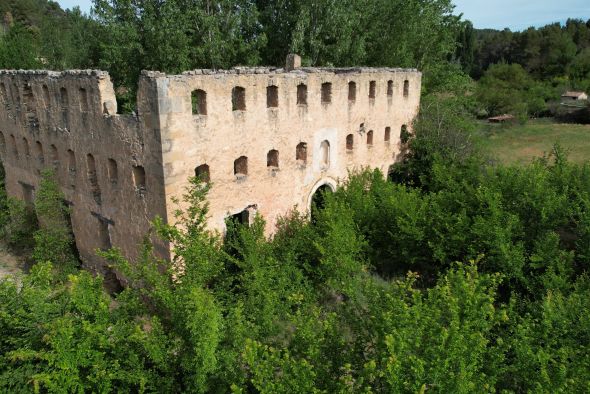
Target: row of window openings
(272, 157)
(29, 97)
(138, 172)
(238, 97)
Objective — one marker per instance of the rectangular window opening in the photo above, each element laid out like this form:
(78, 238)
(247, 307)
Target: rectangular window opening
(199, 102)
(301, 94)
(272, 96)
(238, 99)
(372, 89)
(326, 93)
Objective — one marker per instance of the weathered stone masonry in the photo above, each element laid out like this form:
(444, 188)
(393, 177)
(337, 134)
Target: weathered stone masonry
(266, 139)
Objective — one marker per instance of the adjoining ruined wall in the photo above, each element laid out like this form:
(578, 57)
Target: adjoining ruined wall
(273, 120)
(68, 121)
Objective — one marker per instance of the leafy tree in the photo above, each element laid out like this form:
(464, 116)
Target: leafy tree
(19, 48)
(508, 88)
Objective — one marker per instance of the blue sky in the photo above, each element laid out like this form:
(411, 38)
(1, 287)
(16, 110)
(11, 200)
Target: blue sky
(520, 14)
(497, 14)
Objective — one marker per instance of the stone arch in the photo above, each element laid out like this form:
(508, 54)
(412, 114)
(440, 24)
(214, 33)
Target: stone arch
(325, 184)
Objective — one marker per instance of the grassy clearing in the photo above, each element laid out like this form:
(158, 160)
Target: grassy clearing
(521, 143)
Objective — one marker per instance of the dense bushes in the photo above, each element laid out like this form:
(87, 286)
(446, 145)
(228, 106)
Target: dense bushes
(368, 297)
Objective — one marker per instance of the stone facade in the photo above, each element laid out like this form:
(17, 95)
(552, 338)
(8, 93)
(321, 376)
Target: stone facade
(266, 139)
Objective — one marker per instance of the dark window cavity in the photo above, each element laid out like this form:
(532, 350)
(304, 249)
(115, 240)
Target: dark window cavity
(138, 174)
(241, 166)
(352, 91)
(272, 158)
(301, 94)
(238, 99)
(370, 137)
(349, 142)
(272, 96)
(326, 93)
(202, 173)
(93, 178)
(113, 171)
(301, 153)
(199, 102)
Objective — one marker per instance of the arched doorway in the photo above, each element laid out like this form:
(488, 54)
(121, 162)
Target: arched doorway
(318, 199)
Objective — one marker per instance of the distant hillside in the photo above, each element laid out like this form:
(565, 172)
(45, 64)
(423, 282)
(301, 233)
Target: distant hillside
(29, 12)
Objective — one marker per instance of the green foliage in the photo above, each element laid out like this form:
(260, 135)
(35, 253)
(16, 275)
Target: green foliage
(19, 48)
(20, 224)
(508, 89)
(54, 240)
(366, 298)
(545, 52)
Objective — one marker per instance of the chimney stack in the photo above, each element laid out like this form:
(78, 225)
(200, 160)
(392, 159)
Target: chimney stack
(293, 62)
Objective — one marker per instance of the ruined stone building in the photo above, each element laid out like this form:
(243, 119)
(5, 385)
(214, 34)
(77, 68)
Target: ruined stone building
(267, 139)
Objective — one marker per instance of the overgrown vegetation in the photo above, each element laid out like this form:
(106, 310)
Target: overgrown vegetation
(459, 276)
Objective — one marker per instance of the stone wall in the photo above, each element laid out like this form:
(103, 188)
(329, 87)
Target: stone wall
(68, 121)
(266, 139)
(270, 121)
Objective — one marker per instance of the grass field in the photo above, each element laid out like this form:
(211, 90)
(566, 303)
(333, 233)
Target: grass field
(521, 143)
